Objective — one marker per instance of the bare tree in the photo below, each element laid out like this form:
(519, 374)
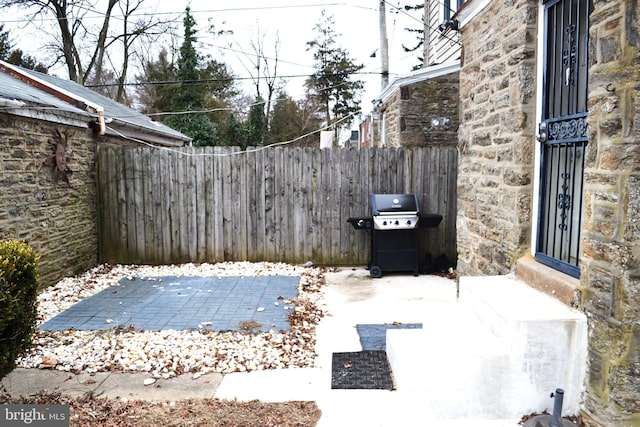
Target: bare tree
(263, 70)
(146, 28)
(69, 18)
(270, 74)
(86, 48)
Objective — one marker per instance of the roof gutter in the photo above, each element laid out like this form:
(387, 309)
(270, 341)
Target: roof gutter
(59, 93)
(469, 10)
(416, 76)
(131, 130)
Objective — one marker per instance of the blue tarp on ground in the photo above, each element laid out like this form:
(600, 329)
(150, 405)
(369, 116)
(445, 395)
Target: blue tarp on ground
(180, 303)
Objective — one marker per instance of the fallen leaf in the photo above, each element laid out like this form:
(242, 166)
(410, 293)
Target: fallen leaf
(48, 363)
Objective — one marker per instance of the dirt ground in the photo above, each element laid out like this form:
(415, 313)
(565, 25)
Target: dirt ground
(95, 411)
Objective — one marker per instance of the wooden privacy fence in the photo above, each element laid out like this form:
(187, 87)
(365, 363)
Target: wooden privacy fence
(159, 206)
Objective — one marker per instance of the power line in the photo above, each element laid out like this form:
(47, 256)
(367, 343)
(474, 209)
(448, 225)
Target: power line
(235, 153)
(251, 54)
(100, 14)
(422, 21)
(219, 80)
(299, 8)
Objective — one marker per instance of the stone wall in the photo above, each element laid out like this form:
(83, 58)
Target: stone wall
(610, 267)
(495, 174)
(496, 137)
(58, 221)
(410, 110)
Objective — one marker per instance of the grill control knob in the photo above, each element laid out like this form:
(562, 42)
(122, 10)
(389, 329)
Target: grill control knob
(384, 222)
(408, 222)
(397, 222)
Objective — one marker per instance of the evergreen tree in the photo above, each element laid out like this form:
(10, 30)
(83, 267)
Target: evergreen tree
(190, 97)
(283, 119)
(257, 123)
(220, 89)
(419, 34)
(5, 43)
(292, 119)
(237, 133)
(156, 98)
(208, 86)
(17, 56)
(332, 84)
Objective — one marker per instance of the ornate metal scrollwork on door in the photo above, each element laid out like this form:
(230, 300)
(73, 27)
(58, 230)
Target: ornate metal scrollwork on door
(564, 201)
(566, 129)
(569, 55)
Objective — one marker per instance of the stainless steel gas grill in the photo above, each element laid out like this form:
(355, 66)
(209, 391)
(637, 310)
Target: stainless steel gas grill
(395, 232)
(394, 211)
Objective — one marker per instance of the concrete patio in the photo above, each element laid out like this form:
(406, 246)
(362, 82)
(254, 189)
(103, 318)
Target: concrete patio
(483, 359)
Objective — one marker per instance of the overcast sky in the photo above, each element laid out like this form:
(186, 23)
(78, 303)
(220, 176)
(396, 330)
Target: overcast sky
(357, 22)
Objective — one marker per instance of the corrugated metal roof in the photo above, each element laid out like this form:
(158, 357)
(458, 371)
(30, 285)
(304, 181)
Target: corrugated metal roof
(121, 119)
(16, 90)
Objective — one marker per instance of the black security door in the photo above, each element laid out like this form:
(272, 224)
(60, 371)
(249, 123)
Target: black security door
(563, 133)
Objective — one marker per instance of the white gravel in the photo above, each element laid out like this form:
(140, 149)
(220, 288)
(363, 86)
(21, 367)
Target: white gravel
(167, 353)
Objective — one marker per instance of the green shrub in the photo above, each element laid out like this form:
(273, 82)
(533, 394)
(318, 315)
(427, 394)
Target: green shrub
(18, 301)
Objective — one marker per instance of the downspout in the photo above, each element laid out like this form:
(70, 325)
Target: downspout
(59, 93)
(95, 109)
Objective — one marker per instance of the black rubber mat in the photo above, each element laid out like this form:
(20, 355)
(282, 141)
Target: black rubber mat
(367, 370)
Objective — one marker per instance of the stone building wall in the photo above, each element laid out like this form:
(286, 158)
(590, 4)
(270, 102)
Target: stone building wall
(388, 134)
(496, 137)
(410, 110)
(610, 263)
(58, 221)
(497, 133)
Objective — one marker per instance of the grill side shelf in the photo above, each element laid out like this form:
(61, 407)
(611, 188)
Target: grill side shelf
(361, 223)
(429, 220)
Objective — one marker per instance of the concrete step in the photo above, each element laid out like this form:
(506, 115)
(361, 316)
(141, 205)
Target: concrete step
(547, 339)
(502, 350)
(450, 361)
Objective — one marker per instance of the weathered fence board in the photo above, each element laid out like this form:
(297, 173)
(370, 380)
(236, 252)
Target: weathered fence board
(275, 204)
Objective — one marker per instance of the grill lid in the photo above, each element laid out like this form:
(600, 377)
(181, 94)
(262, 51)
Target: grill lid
(394, 204)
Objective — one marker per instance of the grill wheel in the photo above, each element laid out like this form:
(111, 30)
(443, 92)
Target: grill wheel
(375, 272)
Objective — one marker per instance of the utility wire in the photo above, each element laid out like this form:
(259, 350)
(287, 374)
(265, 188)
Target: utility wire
(235, 153)
(101, 15)
(424, 22)
(205, 81)
(230, 49)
